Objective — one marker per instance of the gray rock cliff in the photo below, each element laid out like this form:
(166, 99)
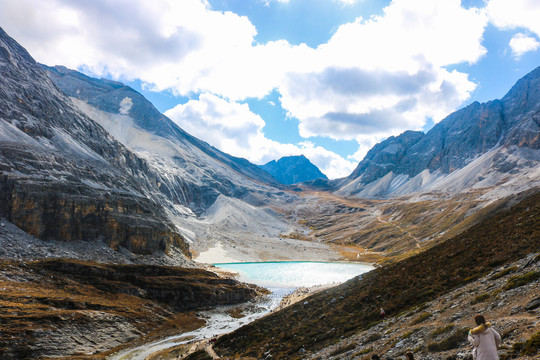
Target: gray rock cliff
(509, 128)
(62, 176)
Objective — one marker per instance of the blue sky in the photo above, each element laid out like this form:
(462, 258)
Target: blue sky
(263, 79)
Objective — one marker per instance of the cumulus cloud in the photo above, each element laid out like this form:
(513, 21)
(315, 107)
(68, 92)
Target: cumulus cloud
(387, 72)
(374, 77)
(515, 14)
(521, 44)
(235, 129)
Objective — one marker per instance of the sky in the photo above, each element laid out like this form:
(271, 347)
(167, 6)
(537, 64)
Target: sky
(262, 79)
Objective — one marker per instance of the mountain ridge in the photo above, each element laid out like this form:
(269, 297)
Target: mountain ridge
(63, 176)
(503, 126)
(293, 169)
(148, 117)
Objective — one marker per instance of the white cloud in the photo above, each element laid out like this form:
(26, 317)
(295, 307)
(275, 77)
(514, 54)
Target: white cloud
(330, 163)
(513, 14)
(521, 44)
(375, 77)
(387, 72)
(234, 129)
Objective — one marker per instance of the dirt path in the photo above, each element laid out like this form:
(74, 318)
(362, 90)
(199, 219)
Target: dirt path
(417, 242)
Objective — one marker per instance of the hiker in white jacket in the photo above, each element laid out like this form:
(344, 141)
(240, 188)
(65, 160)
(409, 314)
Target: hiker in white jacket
(484, 340)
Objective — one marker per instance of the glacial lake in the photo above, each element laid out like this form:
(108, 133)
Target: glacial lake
(295, 274)
(281, 278)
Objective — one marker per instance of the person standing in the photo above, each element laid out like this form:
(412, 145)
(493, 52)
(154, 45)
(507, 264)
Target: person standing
(484, 340)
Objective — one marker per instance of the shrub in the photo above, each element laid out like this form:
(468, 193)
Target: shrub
(408, 335)
(451, 342)
(363, 352)
(520, 280)
(343, 349)
(199, 355)
(480, 298)
(421, 318)
(442, 330)
(532, 345)
(373, 337)
(504, 273)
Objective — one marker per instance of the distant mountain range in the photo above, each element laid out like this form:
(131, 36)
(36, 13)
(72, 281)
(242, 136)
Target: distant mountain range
(495, 144)
(293, 169)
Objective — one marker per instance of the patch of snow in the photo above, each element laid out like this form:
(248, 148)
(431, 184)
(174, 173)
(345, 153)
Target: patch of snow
(125, 105)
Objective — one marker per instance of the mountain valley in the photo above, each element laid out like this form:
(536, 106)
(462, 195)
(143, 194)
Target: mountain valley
(110, 215)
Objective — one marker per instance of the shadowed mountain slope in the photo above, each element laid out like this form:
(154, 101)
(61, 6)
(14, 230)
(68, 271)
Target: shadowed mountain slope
(293, 169)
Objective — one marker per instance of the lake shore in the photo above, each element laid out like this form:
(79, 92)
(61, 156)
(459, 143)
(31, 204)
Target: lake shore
(300, 294)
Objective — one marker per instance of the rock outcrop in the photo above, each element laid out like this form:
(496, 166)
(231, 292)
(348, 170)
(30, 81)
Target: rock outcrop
(293, 169)
(80, 309)
(62, 176)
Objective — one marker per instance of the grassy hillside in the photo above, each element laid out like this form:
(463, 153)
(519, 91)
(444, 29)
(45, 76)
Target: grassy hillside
(344, 310)
(395, 228)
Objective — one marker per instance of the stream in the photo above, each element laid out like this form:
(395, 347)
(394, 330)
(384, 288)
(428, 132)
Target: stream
(281, 278)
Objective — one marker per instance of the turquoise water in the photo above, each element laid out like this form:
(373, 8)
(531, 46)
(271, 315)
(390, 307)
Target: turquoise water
(293, 274)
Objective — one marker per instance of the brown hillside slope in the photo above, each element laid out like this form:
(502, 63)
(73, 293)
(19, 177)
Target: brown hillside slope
(344, 310)
(80, 309)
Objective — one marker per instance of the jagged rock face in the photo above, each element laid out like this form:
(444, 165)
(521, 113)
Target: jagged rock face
(293, 169)
(191, 172)
(62, 175)
(385, 156)
(458, 140)
(522, 105)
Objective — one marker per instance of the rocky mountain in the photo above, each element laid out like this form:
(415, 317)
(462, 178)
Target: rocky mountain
(197, 183)
(68, 189)
(191, 172)
(293, 169)
(62, 176)
(480, 145)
